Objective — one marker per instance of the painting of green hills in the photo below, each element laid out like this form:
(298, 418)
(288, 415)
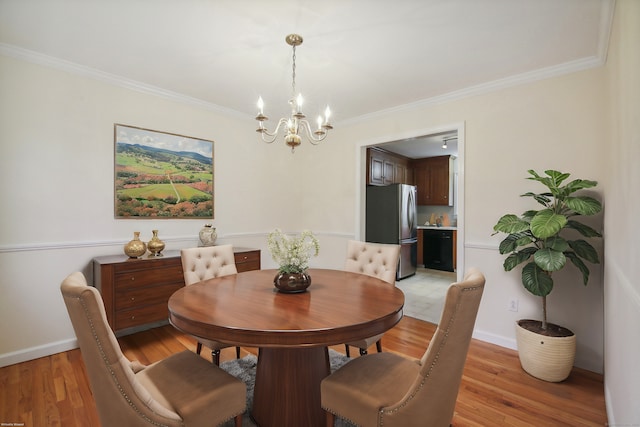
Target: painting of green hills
(162, 175)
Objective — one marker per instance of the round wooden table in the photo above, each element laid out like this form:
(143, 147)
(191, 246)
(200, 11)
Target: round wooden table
(291, 330)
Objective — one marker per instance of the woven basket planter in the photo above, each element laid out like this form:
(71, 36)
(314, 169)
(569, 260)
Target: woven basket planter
(547, 358)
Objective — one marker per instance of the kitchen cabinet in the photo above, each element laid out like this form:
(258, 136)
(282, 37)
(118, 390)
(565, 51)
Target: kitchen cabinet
(136, 291)
(384, 168)
(434, 180)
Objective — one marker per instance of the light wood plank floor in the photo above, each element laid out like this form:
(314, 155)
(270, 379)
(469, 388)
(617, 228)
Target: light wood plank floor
(495, 391)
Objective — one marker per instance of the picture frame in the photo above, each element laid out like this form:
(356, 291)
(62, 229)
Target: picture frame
(161, 175)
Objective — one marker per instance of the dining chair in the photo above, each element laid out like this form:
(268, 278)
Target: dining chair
(395, 391)
(377, 260)
(180, 390)
(204, 263)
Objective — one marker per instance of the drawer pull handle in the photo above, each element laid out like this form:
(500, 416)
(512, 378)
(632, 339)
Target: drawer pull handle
(133, 317)
(133, 298)
(133, 278)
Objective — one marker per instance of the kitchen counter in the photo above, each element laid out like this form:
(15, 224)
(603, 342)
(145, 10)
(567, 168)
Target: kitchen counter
(433, 227)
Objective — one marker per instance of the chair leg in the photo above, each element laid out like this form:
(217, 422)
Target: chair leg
(215, 356)
(331, 419)
(346, 348)
(237, 352)
(198, 347)
(379, 346)
(238, 420)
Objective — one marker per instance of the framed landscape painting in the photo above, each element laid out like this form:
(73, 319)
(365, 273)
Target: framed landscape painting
(162, 175)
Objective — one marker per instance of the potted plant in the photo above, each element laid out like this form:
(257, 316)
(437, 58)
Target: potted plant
(292, 253)
(541, 240)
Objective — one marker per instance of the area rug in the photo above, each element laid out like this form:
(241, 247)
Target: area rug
(245, 370)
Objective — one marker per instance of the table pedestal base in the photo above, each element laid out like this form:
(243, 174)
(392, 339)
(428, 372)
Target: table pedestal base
(287, 389)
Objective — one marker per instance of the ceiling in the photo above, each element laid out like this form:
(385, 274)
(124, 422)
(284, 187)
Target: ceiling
(361, 57)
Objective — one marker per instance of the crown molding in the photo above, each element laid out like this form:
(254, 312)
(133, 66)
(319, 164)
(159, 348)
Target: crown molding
(81, 70)
(519, 79)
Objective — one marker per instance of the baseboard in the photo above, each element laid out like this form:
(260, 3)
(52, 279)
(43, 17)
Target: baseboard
(37, 352)
(495, 339)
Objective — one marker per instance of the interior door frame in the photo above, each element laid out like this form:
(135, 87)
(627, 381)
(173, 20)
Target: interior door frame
(361, 167)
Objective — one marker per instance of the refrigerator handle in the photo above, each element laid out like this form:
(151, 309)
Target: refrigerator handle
(411, 211)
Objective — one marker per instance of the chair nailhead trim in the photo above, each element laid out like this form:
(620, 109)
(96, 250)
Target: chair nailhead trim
(433, 364)
(113, 375)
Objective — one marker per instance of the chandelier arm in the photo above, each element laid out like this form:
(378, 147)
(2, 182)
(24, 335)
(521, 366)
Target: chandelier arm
(271, 135)
(310, 134)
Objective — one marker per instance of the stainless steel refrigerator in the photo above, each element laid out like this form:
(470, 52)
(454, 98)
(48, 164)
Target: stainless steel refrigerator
(391, 218)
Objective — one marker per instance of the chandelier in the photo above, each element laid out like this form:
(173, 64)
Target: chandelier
(296, 125)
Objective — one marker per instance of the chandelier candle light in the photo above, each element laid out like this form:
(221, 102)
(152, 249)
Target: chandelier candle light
(294, 125)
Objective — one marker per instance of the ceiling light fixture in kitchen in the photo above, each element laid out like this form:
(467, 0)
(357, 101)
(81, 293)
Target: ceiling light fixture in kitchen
(297, 124)
(447, 139)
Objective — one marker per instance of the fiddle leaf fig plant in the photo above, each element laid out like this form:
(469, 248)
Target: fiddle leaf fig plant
(539, 238)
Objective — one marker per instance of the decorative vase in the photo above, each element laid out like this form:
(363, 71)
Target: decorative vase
(292, 283)
(545, 357)
(135, 248)
(155, 245)
(208, 235)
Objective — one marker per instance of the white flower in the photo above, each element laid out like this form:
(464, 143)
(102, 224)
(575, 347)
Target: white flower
(292, 253)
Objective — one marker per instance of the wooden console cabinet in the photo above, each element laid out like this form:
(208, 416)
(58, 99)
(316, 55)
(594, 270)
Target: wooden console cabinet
(136, 291)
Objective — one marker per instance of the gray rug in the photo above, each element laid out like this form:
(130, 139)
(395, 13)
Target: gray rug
(245, 370)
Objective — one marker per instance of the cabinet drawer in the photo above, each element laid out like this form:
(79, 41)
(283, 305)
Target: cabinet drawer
(150, 277)
(136, 297)
(247, 261)
(141, 315)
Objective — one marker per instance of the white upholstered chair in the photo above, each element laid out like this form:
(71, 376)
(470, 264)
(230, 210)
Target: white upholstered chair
(377, 260)
(394, 391)
(204, 263)
(181, 390)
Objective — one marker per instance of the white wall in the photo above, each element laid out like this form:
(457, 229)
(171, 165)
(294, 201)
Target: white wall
(56, 169)
(555, 123)
(56, 175)
(622, 288)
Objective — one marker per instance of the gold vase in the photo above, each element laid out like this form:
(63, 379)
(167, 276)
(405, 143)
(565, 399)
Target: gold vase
(135, 248)
(155, 245)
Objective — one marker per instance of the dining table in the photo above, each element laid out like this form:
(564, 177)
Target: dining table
(292, 331)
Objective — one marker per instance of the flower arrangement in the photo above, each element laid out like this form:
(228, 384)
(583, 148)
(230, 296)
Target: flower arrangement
(292, 253)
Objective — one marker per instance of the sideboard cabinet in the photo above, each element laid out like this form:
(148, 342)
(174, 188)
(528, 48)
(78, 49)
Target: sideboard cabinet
(136, 291)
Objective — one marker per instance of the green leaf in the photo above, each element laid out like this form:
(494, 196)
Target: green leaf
(549, 260)
(543, 199)
(556, 243)
(557, 177)
(546, 223)
(516, 258)
(510, 243)
(536, 281)
(583, 205)
(510, 224)
(581, 266)
(580, 184)
(583, 229)
(583, 249)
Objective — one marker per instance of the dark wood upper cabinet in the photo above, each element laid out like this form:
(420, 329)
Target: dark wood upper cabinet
(433, 178)
(384, 168)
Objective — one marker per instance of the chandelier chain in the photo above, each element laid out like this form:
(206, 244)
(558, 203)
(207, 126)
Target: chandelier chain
(293, 74)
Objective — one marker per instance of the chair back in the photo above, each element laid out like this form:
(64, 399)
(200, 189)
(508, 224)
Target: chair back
(433, 394)
(373, 259)
(207, 262)
(120, 398)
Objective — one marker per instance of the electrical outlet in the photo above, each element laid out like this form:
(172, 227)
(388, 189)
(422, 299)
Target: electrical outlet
(513, 305)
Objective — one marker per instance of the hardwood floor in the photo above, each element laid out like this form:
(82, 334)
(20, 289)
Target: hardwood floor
(495, 391)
